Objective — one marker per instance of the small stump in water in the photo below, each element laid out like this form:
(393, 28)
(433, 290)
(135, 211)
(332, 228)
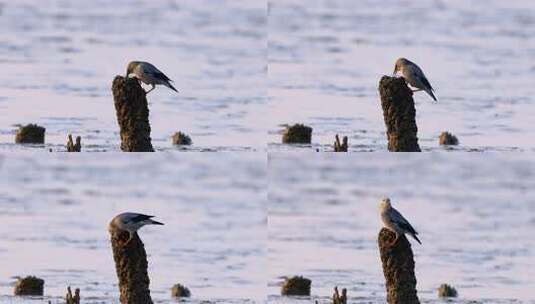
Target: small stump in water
(398, 268)
(339, 299)
(448, 139)
(447, 291)
(30, 134)
(297, 134)
(29, 286)
(70, 299)
(180, 139)
(180, 291)
(340, 147)
(132, 112)
(296, 286)
(72, 147)
(399, 115)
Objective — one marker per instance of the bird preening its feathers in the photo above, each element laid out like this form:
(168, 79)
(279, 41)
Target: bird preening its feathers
(148, 74)
(395, 222)
(414, 76)
(131, 222)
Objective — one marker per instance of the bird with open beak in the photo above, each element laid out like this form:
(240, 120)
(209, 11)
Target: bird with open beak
(148, 74)
(414, 76)
(131, 222)
(395, 222)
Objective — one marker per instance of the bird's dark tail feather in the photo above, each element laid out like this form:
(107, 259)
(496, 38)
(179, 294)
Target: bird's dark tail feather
(416, 238)
(432, 95)
(171, 87)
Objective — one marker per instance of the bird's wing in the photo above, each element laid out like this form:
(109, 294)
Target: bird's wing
(399, 220)
(139, 217)
(152, 70)
(426, 82)
(421, 76)
(161, 75)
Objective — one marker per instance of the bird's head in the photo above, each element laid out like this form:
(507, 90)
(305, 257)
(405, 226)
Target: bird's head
(399, 63)
(130, 68)
(385, 203)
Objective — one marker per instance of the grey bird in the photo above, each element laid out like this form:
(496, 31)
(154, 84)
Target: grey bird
(131, 222)
(148, 74)
(395, 222)
(414, 76)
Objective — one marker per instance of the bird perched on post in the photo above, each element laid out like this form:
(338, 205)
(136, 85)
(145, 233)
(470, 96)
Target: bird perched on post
(131, 222)
(414, 76)
(148, 74)
(395, 222)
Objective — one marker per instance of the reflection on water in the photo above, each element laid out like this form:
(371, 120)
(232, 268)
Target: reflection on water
(59, 59)
(475, 216)
(55, 214)
(326, 59)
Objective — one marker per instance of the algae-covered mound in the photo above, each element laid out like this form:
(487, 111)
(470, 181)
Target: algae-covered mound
(297, 134)
(29, 286)
(180, 138)
(30, 134)
(448, 139)
(296, 286)
(180, 291)
(447, 291)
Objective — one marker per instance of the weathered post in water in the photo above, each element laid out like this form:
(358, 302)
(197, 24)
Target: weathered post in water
(398, 268)
(399, 114)
(131, 266)
(132, 115)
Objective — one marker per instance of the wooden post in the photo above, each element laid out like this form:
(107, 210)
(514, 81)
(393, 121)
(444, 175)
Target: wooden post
(132, 115)
(399, 114)
(131, 266)
(398, 268)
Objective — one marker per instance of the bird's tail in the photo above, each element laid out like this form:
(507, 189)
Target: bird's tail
(416, 238)
(432, 95)
(153, 222)
(169, 85)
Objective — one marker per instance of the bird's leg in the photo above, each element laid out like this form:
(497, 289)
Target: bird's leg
(153, 86)
(417, 90)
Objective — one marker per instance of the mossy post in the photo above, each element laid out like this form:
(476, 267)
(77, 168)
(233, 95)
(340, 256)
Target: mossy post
(132, 115)
(131, 266)
(398, 268)
(399, 114)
